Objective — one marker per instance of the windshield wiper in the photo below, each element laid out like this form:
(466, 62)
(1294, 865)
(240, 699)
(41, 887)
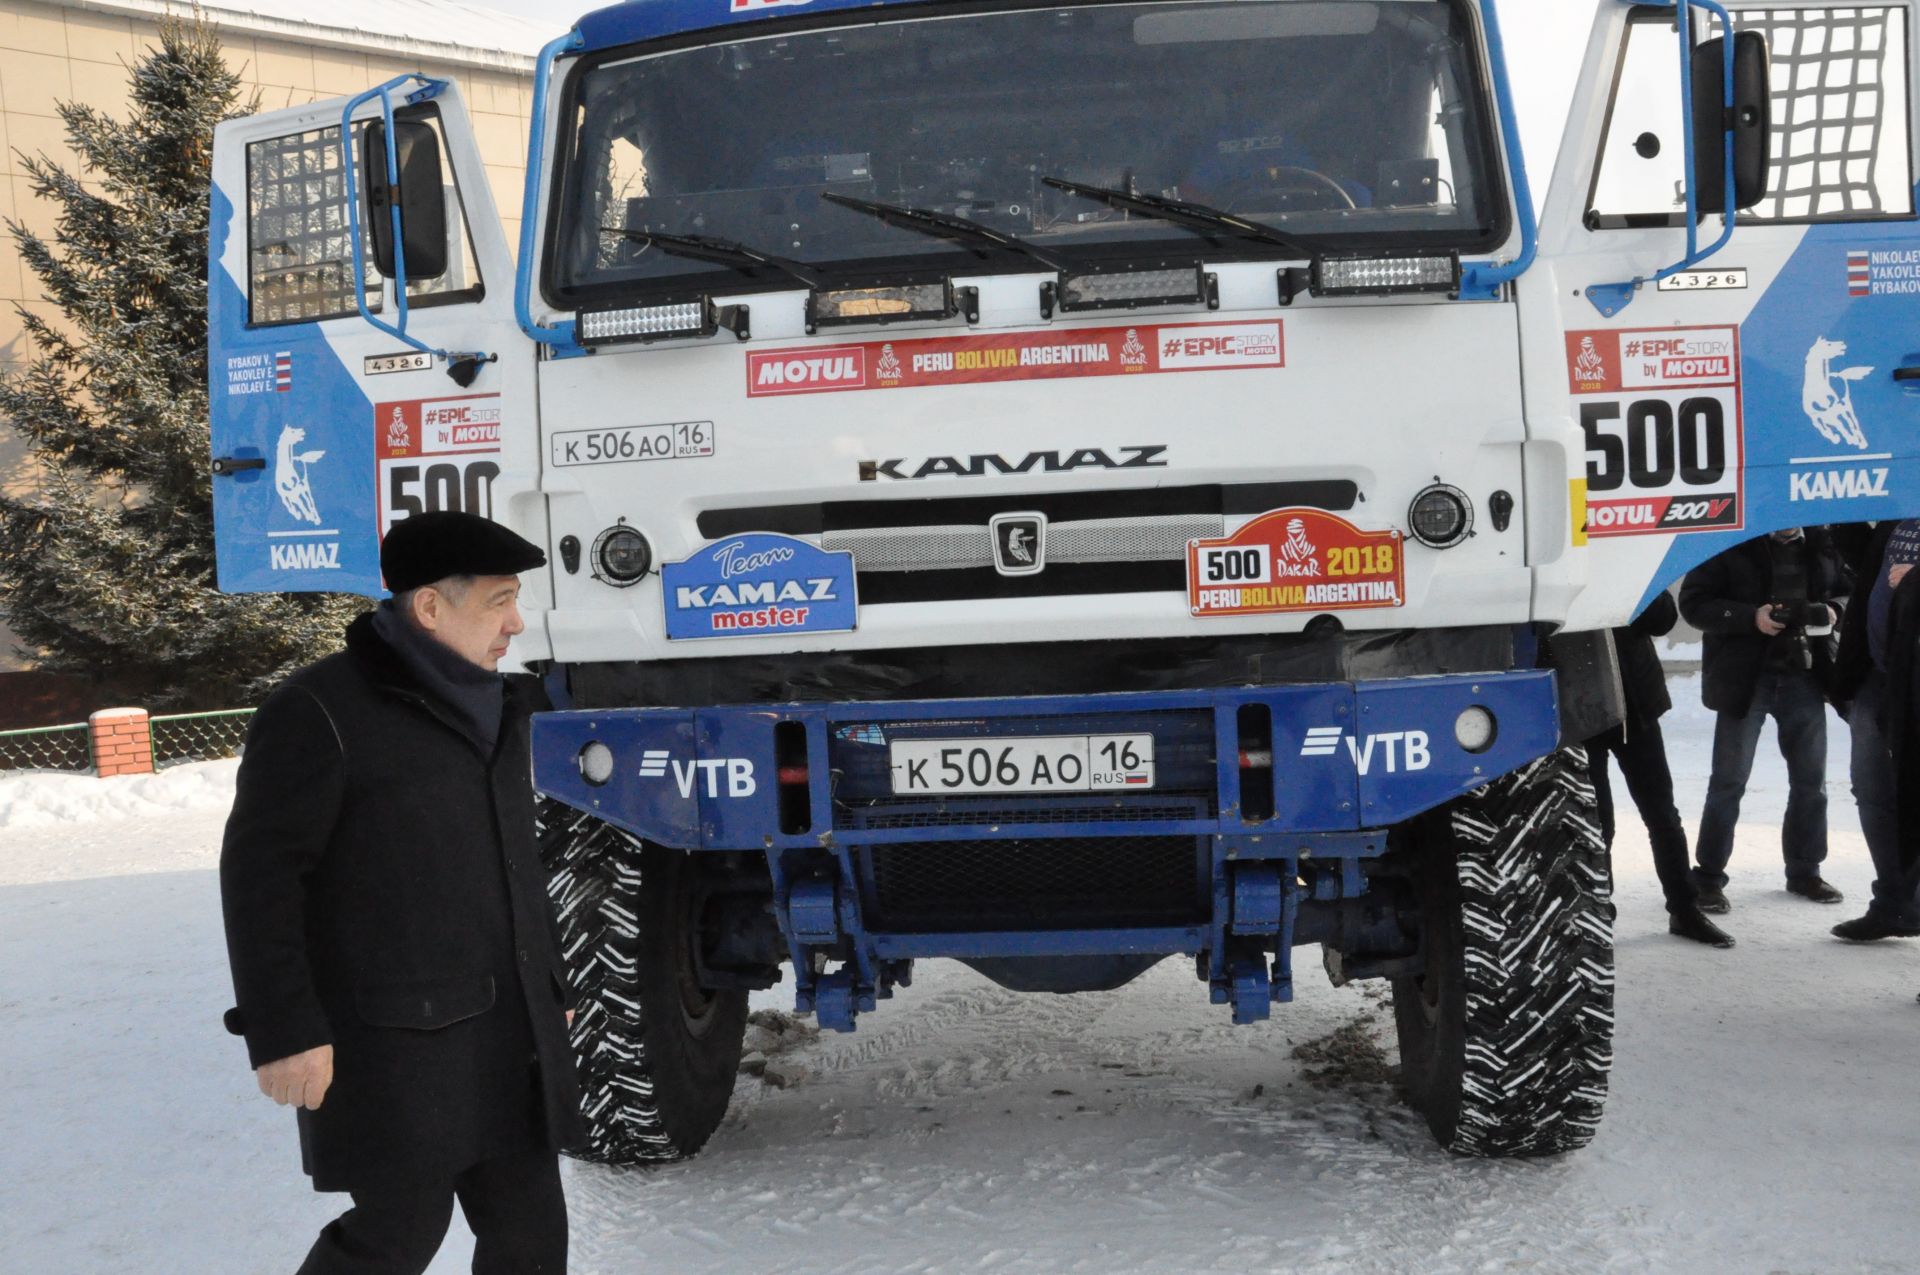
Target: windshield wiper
(1185, 213)
(721, 252)
(946, 226)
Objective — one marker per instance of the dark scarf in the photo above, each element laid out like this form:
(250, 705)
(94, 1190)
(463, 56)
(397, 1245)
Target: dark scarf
(476, 696)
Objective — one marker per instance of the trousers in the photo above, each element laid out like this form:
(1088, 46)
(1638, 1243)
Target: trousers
(1642, 754)
(1793, 700)
(1876, 791)
(514, 1205)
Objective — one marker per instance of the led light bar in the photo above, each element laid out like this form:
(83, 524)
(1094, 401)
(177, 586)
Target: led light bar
(839, 307)
(678, 320)
(1385, 276)
(1131, 289)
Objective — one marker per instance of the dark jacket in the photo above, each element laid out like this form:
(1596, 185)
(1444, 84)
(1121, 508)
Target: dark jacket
(1719, 597)
(383, 893)
(1641, 673)
(1864, 546)
(1902, 707)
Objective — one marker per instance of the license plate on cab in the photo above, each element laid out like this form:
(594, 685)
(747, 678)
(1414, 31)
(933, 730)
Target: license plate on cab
(1058, 763)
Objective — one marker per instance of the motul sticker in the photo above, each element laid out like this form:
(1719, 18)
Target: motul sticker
(437, 453)
(1661, 412)
(1017, 356)
(1295, 560)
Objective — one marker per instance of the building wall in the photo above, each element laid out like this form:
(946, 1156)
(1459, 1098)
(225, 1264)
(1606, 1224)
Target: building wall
(50, 53)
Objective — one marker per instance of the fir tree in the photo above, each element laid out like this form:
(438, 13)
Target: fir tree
(108, 567)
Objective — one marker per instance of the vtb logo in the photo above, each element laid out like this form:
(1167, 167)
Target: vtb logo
(1019, 543)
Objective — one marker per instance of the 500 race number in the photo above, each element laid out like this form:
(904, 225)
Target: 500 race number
(428, 485)
(1662, 464)
(1653, 442)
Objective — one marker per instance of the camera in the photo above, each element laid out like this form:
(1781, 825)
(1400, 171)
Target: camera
(1812, 618)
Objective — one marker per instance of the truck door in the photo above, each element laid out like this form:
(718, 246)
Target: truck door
(1768, 386)
(326, 429)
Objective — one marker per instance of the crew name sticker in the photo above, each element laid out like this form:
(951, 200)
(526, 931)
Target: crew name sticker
(1296, 560)
(759, 585)
(1661, 412)
(1137, 349)
(435, 454)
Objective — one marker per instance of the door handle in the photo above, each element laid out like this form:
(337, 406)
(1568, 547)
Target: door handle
(224, 466)
(1906, 374)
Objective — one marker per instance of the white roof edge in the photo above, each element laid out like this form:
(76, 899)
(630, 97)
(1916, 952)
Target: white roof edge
(318, 33)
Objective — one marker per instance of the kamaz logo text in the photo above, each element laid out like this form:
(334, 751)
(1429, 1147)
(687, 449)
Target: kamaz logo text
(753, 593)
(1402, 750)
(1838, 484)
(308, 555)
(1033, 462)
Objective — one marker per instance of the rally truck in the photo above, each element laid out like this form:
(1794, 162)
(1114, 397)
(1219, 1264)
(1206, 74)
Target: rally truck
(1066, 486)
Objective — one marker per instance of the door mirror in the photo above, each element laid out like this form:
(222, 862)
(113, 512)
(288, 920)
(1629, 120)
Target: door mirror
(1750, 122)
(421, 194)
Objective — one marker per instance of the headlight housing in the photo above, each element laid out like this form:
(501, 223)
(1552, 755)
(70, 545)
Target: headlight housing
(621, 556)
(1440, 517)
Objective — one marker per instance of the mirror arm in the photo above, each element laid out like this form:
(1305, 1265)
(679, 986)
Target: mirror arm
(429, 89)
(1611, 298)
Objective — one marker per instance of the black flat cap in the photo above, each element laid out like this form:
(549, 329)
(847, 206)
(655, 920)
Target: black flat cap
(429, 547)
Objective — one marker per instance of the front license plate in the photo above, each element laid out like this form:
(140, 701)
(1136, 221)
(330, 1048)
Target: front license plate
(1057, 763)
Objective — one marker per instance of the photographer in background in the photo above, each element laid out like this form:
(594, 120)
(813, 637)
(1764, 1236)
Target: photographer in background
(1768, 608)
(1641, 749)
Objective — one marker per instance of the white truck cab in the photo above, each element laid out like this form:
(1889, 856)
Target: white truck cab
(1059, 485)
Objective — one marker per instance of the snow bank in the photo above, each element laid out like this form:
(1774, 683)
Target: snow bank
(38, 799)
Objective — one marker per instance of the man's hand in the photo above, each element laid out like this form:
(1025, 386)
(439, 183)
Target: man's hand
(1763, 620)
(569, 1018)
(1899, 573)
(299, 1081)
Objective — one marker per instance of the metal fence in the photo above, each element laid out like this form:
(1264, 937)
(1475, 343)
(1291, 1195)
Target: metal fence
(187, 737)
(46, 748)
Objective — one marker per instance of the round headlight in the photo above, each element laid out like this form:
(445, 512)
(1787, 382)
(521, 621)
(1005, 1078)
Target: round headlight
(1441, 516)
(596, 763)
(1474, 729)
(622, 556)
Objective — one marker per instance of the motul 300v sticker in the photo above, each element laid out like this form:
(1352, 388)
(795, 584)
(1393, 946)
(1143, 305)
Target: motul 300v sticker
(758, 585)
(1017, 356)
(1296, 560)
(1662, 416)
(437, 453)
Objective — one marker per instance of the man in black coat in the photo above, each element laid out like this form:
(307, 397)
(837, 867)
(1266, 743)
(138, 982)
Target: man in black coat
(1767, 607)
(393, 953)
(1874, 680)
(1641, 749)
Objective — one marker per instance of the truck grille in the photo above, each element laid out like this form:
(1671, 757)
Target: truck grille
(894, 813)
(940, 550)
(1053, 883)
(964, 548)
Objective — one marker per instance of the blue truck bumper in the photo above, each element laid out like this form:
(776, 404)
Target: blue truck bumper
(1258, 801)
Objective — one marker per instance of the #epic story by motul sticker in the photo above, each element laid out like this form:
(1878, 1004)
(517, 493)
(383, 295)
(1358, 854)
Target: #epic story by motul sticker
(1137, 349)
(1661, 413)
(1296, 560)
(437, 454)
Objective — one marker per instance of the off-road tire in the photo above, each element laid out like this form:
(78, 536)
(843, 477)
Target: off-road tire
(656, 1054)
(1507, 1039)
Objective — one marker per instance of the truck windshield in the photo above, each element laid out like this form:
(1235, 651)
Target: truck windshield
(1345, 124)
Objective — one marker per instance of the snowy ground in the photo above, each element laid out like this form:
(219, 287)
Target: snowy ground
(1762, 1117)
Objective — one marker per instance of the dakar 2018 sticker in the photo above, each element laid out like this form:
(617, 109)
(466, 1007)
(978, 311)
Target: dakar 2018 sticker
(1017, 356)
(1296, 560)
(1661, 412)
(437, 453)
